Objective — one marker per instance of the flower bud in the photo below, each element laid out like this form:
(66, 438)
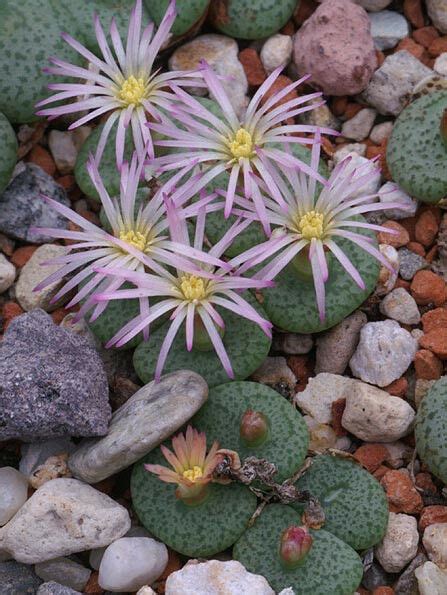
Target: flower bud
(254, 428)
(295, 545)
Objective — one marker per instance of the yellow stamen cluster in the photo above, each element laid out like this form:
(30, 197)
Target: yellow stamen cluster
(193, 288)
(311, 225)
(132, 91)
(193, 474)
(242, 144)
(134, 238)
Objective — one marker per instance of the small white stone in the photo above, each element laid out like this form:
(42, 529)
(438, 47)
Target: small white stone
(146, 591)
(390, 192)
(435, 542)
(380, 132)
(437, 11)
(33, 273)
(358, 148)
(388, 28)
(63, 149)
(431, 579)
(401, 306)
(321, 391)
(358, 127)
(387, 279)
(215, 578)
(132, 562)
(276, 51)
(400, 543)
(97, 554)
(384, 353)
(7, 273)
(13, 492)
(440, 65)
(373, 415)
(64, 571)
(288, 591)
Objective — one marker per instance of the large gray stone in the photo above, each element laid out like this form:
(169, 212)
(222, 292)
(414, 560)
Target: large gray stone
(152, 414)
(52, 383)
(64, 571)
(63, 517)
(53, 588)
(17, 579)
(388, 28)
(22, 206)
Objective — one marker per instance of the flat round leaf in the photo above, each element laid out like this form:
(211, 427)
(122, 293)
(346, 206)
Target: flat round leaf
(189, 12)
(8, 156)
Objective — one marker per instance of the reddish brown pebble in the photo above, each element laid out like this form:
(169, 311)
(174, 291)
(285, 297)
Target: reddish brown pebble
(434, 319)
(401, 493)
(425, 35)
(371, 456)
(337, 409)
(67, 182)
(381, 472)
(413, 12)
(43, 159)
(435, 341)
(303, 369)
(438, 46)
(399, 239)
(254, 70)
(280, 83)
(409, 45)
(398, 388)
(92, 587)
(431, 515)
(304, 10)
(338, 105)
(21, 256)
(417, 248)
(426, 228)
(352, 109)
(431, 254)
(363, 591)
(428, 288)
(427, 365)
(383, 591)
(288, 29)
(424, 482)
(9, 311)
(402, 283)
(380, 58)
(410, 225)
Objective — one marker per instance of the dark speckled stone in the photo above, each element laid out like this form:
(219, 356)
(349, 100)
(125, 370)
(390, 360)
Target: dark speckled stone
(53, 588)
(52, 382)
(18, 579)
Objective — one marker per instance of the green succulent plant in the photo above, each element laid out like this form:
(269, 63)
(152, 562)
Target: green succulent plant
(417, 151)
(431, 429)
(189, 13)
(9, 151)
(250, 19)
(246, 345)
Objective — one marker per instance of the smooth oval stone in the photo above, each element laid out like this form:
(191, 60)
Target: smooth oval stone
(14, 492)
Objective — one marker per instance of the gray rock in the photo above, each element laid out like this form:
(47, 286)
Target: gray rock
(53, 588)
(63, 149)
(144, 421)
(64, 571)
(437, 11)
(7, 273)
(374, 576)
(52, 383)
(14, 492)
(401, 306)
(410, 263)
(22, 207)
(390, 192)
(320, 116)
(336, 347)
(321, 391)
(388, 28)
(276, 51)
(33, 273)
(63, 517)
(293, 343)
(435, 543)
(407, 583)
(431, 579)
(399, 544)
(35, 454)
(380, 132)
(384, 353)
(358, 127)
(17, 579)
(393, 81)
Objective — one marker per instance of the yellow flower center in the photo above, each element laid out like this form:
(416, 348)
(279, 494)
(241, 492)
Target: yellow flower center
(134, 238)
(193, 288)
(311, 225)
(193, 474)
(242, 144)
(132, 91)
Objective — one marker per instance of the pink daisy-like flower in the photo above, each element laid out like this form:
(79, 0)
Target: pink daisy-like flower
(190, 297)
(138, 240)
(123, 82)
(312, 221)
(239, 146)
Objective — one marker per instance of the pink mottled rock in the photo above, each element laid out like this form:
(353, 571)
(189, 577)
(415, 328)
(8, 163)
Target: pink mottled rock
(335, 46)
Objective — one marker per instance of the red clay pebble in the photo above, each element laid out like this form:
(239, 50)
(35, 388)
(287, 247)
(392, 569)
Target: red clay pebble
(401, 493)
(43, 159)
(413, 12)
(399, 239)
(427, 365)
(397, 388)
(302, 367)
(92, 587)
(417, 248)
(438, 46)
(428, 288)
(434, 319)
(402, 283)
(21, 256)
(280, 83)
(431, 254)
(424, 481)
(425, 35)
(371, 456)
(304, 10)
(9, 311)
(426, 228)
(381, 472)
(435, 341)
(383, 591)
(337, 409)
(432, 514)
(409, 45)
(254, 70)
(339, 105)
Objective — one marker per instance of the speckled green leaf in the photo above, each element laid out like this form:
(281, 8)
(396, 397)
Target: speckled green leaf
(193, 531)
(29, 34)
(8, 155)
(251, 19)
(330, 568)
(287, 441)
(107, 168)
(416, 155)
(431, 429)
(246, 345)
(354, 502)
(189, 12)
(291, 304)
